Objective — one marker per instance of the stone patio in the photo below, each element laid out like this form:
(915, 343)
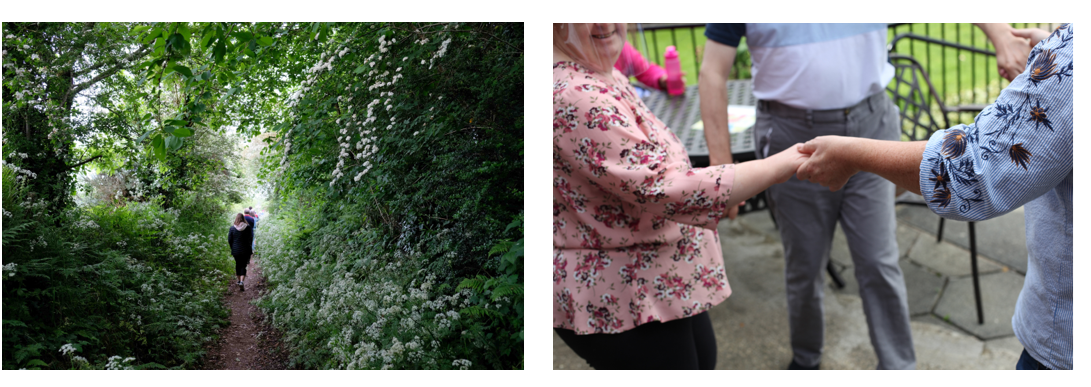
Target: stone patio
(752, 325)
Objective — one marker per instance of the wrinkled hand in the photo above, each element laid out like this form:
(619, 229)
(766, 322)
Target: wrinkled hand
(825, 165)
(1034, 34)
(1011, 54)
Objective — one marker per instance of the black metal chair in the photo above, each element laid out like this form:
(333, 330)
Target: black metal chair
(914, 95)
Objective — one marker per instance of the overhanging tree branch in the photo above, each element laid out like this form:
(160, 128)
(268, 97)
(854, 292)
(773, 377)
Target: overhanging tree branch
(71, 167)
(139, 53)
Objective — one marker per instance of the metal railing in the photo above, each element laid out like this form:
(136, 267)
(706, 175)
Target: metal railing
(958, 57)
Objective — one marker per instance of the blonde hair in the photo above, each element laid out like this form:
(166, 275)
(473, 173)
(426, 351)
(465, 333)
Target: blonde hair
(239, 219)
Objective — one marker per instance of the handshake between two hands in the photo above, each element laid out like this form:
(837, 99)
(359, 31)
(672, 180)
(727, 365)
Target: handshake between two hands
(824, 160)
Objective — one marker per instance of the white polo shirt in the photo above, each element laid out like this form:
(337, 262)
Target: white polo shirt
(813, 66)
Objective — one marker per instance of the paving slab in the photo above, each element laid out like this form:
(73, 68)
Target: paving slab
(564, 358)
(1003, 239)
(999, 292)
(948, 259)
(923, 287)
(752, 325)
(940, 346)
(907, 236)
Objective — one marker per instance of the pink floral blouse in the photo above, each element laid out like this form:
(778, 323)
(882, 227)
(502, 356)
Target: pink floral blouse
(634, 225)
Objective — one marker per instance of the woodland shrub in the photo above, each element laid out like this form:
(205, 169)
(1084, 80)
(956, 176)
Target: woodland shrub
(135, 281)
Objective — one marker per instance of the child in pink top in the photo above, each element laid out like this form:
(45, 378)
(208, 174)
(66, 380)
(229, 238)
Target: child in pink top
(631, 63)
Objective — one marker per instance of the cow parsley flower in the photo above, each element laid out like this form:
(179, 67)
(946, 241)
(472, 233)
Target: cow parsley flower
(462, 364)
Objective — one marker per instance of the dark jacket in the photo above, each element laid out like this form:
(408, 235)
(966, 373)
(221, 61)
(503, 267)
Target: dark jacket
(241, 242)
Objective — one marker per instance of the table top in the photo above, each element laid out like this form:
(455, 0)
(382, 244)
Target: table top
(679, 113)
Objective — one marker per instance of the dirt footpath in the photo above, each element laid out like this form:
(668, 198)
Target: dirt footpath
(248, 343)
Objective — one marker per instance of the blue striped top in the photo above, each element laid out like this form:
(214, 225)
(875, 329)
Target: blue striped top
(1018, 152)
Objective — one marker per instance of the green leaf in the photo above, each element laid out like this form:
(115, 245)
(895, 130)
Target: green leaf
(15, 323)
(184, 30)
(359, 69)
(160, 152)
(176, 122)
(146, 134)
(152, 35)
(183, 70)
(207, 40)
(219, 51)
(36, 362)
(176, 41)
(157, 147)
(173, 143)
(243, 36)
(266, 41)
(183, 132)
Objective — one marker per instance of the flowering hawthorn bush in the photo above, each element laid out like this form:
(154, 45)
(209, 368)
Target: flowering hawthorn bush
(397, 178)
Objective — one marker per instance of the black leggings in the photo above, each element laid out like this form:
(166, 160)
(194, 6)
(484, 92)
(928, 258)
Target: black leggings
(684, 344)
(240, 264)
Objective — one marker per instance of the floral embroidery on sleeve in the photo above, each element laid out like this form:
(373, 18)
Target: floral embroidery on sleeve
(1016, 149)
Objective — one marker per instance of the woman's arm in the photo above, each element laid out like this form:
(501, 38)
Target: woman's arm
(753, 177)
(604, 150)
(835, 159)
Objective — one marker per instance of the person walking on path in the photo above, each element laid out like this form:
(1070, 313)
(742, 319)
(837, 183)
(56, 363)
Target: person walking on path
(241, 238)
(253, 218)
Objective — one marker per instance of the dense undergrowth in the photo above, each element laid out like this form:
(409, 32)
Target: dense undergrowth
(397, 236)
(106, 286)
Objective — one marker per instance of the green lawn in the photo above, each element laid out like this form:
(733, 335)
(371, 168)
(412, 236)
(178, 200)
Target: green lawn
(960, 77)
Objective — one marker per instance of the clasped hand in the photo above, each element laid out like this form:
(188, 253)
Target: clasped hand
(826, 164)
(824, 160)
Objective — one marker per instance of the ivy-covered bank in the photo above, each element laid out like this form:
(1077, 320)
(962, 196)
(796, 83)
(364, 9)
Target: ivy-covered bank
(397, 183)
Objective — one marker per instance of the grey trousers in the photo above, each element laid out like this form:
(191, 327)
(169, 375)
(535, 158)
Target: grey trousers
(806, 214)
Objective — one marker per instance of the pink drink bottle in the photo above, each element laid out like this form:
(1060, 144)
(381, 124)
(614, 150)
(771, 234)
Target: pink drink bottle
(675, 85)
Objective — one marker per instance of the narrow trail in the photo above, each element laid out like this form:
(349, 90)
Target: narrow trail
(248, 343)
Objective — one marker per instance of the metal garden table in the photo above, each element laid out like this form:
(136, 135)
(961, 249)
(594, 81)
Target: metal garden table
(681, 112)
